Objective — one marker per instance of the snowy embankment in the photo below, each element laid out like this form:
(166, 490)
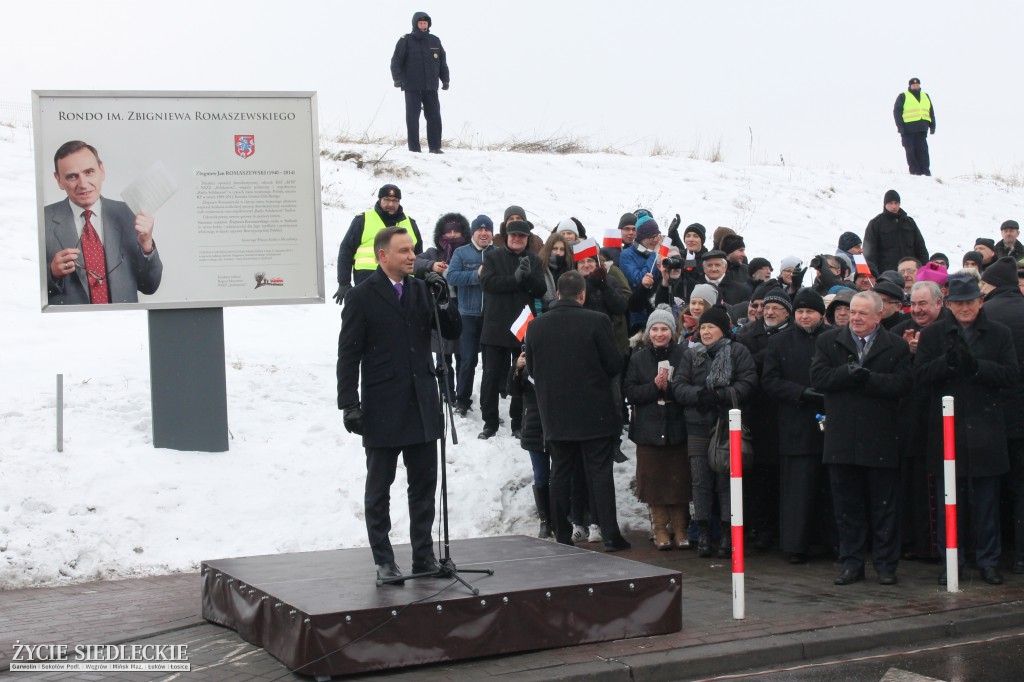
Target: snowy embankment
(112, 506)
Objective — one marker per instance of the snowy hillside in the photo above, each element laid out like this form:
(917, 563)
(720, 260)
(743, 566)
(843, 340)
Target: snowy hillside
(111, 506)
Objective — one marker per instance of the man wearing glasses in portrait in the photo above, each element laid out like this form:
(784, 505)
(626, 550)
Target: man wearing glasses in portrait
(97, 249)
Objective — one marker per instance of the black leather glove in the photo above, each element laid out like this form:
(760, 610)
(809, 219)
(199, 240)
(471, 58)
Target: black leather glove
(966, 361)
(812, 397)
(524, 269)
(674, 225)
(339, 295)
(598, 275)
(352, 417)
(798, 278)
(858, 374)
(399, 84)
(952, 357)
(438, 286)
(722, 397)
(444, 86)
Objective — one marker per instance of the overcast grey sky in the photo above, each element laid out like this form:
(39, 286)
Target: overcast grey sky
(813, 81)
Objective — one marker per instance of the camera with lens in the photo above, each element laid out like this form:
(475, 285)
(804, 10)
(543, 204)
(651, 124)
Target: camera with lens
(672, 263)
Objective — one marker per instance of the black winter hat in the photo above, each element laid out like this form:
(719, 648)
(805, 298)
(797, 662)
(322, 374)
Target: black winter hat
(390, 190)
(891, 195)
(718, 316)
(627, 219)
(732, 242)
(892, 276)
(698, 230)
(939, 256)
(756, 264)
(887, 288)
(763, 288)
(1010, 225)
(779, 295)
(809, 298)
(841, 298)
(848, 240)
(973, 257)
(913, 81)
(1002, 272)
(985, 241)
(519, 227)
(514, 210)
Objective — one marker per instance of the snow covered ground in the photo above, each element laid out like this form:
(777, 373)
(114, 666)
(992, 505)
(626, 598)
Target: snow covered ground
(111, 505)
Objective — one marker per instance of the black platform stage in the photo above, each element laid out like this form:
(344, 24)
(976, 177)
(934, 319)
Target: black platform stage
(321, 614)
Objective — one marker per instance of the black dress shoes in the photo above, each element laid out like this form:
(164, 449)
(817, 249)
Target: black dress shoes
(436, 151)
(887, 578)
(849, 577)
(991, 575)
(388, 571)
(488, 432)
(1018, 567)
(428, 565)
(616, 544)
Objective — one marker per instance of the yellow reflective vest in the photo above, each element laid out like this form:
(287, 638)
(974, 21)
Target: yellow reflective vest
(913, 110)
(365, 258)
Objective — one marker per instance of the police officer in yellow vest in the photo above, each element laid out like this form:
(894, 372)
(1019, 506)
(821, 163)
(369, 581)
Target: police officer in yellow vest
(915, 117)
(356, 260)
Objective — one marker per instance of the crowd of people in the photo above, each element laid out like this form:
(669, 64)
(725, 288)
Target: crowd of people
(838, 367)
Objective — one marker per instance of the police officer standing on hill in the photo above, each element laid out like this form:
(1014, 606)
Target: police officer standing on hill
(915, 116)
(417, 65)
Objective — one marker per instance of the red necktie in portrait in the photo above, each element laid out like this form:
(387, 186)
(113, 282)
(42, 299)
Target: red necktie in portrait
(95, 262)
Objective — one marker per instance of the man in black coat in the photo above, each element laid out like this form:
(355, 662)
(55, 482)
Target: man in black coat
(418, 63)
(762, 415)
(918, 512)
(578, 410)
(972, 359)
(892, 235)
(731, 279)
(385, 344)
(863, 370)
(786, 381)
(511, 278)
(1004, 303)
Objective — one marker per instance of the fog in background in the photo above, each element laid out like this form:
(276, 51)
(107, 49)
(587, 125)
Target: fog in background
(812, 83)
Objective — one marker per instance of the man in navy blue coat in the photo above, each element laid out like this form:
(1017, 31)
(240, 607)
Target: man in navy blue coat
(385, 342)
(418, 63)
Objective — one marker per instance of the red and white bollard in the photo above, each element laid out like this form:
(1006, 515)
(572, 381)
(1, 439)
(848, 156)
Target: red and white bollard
(739, 607)
(949, 480)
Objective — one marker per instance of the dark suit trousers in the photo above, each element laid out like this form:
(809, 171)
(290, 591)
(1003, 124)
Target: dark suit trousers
(865, 500)
(805, 503)
(498, 360)
(1016, 488)
(977, 514)
(421, 471)
(916, 146)
(425, 100)
(596, 455)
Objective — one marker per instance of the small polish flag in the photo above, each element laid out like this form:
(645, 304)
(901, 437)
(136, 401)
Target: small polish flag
(584, 249)
(665, 246)
(612, 239)
(862, 264)
(522, 322)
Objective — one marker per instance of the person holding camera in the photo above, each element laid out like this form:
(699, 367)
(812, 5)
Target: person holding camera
(384, 346)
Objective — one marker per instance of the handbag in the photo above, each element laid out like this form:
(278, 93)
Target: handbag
(718, 444)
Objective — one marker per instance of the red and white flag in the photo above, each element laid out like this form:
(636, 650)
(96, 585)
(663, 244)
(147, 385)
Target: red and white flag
(665, 246)
(862, 264)
(612, 239)
(584, 249)
(522, 322)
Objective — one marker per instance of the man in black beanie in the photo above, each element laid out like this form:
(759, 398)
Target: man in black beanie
(891, 235)
(915, 116)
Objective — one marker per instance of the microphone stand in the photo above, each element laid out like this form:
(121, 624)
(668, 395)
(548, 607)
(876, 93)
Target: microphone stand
(448, 568)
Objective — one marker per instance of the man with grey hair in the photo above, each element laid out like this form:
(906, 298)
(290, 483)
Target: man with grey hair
(917, 513)
(863, 371)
